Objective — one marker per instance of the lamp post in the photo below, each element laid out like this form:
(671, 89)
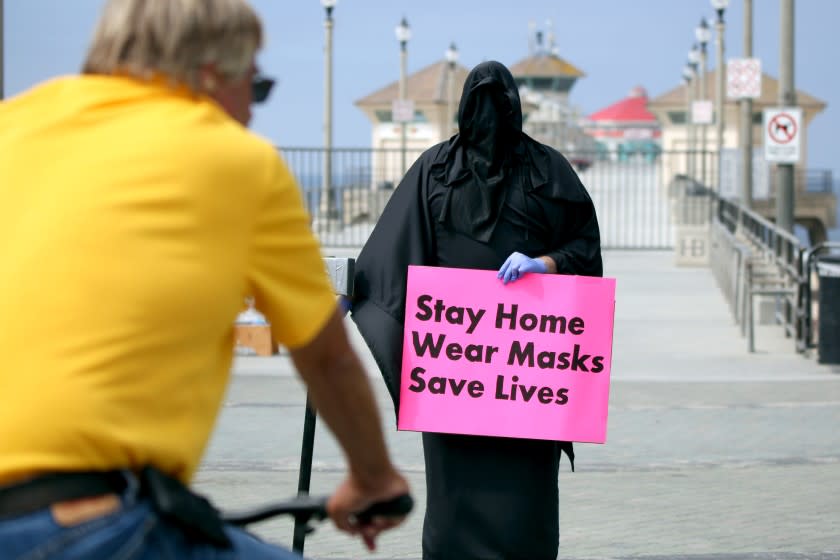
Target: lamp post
(787, 98)
(403, 33)
(746, 134)
(720, 78)
(328, 207)
(452, 58)
(687, 75)
(2, 55)
(694, 62)
(702, 34)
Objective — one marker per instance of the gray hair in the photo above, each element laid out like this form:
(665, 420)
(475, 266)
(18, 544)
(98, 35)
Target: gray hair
(175, 38)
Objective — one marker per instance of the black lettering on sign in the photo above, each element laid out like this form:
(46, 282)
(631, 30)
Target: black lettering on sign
(425, 312)
(525, 393)
(439, 385)
(559, 324)
(452, 314)
(428, 344)
(521, 355)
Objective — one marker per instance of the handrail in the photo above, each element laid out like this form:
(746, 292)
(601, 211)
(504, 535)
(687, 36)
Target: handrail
(777, 247)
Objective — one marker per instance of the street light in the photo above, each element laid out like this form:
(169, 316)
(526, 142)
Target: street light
(702, 33)
(785, 213)
(687, 75)
(451, 55)
(694, 55)
(745, 135)
(403, 33)
(2, 69)
(720, 75)
(693, 63)
(328, 205)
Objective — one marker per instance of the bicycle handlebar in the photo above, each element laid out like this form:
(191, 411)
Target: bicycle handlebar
(305, 508)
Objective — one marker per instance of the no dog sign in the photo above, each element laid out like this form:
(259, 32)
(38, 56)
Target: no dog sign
(782, 131)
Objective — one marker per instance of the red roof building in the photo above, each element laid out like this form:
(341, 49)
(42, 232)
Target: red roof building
(626, 126)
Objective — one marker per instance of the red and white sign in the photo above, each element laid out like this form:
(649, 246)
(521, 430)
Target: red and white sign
(743, 78)
(782, 131)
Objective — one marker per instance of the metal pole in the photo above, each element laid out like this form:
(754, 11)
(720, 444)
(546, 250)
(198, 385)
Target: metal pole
(703, 127)
(689, 171)
(787, 98)
(326, 179)
(720, 78)
(305, 472)
(746, 135)
(695, 96)
(450, 102)
(2, 55)
(692, 132)
(403, 124)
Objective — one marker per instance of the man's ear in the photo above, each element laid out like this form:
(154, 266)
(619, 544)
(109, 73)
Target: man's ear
(208, 78)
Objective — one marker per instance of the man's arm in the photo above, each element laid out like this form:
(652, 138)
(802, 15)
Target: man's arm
(341, 393)
(290, 286)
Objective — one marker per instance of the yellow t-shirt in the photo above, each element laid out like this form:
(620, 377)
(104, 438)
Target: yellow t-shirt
(134, 219)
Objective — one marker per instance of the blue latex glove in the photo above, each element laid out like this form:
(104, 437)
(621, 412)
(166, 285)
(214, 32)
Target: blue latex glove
(345, 304)
(517, 265)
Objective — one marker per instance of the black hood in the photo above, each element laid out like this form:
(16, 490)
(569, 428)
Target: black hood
(491, 154)
(490, 112)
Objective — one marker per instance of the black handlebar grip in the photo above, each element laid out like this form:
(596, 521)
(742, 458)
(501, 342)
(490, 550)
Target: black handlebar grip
(396, 507)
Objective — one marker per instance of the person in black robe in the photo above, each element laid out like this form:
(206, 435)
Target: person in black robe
(493, 198)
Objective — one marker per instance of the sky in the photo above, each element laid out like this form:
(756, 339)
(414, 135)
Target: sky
(619, 44)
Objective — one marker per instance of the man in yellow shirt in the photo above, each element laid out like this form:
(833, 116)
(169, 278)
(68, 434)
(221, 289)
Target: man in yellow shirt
(136, 213)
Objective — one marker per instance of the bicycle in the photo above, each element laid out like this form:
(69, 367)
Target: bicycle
(306, 508)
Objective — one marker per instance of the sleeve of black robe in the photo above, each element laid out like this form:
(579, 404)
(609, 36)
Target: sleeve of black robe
(580, 251)
(403, 236)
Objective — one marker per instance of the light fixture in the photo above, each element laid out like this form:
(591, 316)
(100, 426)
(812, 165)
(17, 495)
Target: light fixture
(703, 33)
(403, 32)
(694, 55)
(720, 7)
(451, 54)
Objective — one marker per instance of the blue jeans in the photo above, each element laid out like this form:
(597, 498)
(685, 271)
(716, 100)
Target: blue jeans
(135, 532)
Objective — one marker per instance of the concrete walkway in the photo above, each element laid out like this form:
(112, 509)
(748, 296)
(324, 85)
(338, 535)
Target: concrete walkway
(712, 453)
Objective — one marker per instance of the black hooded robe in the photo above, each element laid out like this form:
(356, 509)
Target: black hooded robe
(488, 498)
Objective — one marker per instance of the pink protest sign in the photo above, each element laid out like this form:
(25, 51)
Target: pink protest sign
(530, 359)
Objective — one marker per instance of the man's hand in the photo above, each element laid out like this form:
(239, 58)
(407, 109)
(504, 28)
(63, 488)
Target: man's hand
(351, 498)
(517, 265)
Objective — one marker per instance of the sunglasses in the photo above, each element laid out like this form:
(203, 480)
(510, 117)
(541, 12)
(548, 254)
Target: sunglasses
(261, 87)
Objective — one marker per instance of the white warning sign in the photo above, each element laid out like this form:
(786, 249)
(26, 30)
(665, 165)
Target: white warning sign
(782, 131)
